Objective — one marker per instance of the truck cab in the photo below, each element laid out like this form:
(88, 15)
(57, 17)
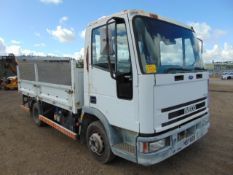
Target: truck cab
(145, 74)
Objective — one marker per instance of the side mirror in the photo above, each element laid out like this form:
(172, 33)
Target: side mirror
(200, 44)
(109, 45)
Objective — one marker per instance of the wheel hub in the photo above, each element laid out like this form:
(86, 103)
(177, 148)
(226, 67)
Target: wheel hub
(96, 143)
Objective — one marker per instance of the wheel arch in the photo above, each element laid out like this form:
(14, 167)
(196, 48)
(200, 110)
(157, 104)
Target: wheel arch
(91, 114)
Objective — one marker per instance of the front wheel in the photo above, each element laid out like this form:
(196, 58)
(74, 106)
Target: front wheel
(97, 142)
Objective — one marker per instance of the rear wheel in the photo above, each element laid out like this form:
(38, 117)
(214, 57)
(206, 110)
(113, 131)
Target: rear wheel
(228, 78)
(97, 142)
(35, 115)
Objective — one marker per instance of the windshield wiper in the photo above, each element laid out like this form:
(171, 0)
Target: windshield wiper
(200, 68)
(177, 69)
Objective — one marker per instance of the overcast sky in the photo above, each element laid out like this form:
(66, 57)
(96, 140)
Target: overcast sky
(56, 27)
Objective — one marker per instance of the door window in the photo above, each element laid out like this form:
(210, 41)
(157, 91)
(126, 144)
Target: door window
(99, 47)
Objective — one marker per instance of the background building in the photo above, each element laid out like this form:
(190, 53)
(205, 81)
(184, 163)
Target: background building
(216, 69)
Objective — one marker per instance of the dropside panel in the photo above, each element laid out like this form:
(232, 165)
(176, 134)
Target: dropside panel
(27, 88)
(55, 81)
(57, 95)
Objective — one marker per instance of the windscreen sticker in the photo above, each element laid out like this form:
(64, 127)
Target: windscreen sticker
(151, 68)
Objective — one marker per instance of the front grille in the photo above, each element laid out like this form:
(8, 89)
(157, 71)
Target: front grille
(183, 104)
(189, 109)
(181, 111)
(184, 117)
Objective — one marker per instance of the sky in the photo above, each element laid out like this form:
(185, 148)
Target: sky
(57, 27)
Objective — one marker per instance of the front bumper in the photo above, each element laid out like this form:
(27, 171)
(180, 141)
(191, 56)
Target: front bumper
(200, 128)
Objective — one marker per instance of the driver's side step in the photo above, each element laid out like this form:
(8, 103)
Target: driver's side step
(126, 148)
(58, 127)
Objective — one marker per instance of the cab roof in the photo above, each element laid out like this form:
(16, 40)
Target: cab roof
(132, 13)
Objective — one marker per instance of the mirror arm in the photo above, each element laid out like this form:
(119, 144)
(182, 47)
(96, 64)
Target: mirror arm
(116, 52)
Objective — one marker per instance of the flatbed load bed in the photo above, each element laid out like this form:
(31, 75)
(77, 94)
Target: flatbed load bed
(39, 79)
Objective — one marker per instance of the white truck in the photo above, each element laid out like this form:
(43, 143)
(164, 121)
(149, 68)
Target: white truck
(141, 94)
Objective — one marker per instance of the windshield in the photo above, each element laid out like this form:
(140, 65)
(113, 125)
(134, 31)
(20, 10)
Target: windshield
(164, 47)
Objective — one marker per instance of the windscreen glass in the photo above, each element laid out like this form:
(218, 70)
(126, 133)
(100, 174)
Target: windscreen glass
(164, 47)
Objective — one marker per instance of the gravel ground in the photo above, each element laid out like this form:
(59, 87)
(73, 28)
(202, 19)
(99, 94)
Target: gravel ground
(29, 150)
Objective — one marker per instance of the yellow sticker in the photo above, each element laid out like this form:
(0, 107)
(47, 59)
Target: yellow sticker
(151, 68)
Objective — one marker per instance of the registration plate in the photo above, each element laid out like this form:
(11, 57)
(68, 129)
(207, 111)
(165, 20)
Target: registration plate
(189, 140)
(184, 142)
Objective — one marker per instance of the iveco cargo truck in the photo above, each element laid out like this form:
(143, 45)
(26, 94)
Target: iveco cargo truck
(141, 93)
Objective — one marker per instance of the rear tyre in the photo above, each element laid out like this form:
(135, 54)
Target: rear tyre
(35, 115)
(228, 78)
(97, 143)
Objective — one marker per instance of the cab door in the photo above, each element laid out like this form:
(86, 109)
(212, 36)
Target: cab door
(111, 72)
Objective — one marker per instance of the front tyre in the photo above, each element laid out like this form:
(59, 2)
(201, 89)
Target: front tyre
(97, 142)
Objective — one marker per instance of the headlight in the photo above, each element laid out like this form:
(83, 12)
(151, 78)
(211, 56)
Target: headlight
(147, 147)
(155, 146)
